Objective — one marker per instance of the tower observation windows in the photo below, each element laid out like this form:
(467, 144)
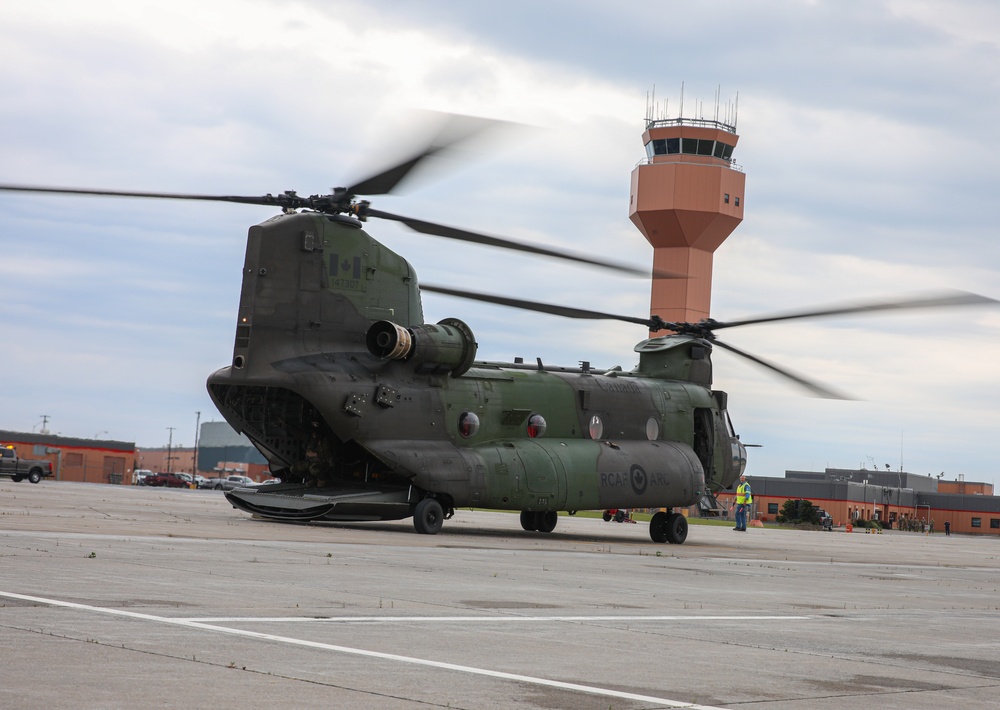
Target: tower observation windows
(688, 146)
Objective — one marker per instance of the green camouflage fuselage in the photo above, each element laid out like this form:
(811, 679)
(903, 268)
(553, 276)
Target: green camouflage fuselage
(340, 384)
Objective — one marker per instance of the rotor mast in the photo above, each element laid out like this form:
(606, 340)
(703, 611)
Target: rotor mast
(686, 198)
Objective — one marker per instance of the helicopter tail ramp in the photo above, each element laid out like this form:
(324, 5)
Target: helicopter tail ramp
(300, 503)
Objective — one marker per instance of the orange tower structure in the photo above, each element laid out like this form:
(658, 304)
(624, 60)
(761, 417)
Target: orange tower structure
(686, 198)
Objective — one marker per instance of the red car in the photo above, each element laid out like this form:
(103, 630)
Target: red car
(169, 480)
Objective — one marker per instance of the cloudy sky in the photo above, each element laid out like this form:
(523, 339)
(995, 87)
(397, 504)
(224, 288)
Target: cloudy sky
(864, 133)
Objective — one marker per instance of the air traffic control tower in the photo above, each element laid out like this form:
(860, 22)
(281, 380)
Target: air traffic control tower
(686, 198)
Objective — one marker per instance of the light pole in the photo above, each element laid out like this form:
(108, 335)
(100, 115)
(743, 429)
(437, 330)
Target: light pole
(170, 448)
(197, 431)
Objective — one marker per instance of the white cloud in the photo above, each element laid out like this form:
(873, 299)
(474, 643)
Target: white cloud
(867, 165)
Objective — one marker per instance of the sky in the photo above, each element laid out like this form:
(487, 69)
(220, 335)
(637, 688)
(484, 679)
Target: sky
(864, 128)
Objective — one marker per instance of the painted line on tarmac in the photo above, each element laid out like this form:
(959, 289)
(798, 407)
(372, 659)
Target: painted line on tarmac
(488, 619)
(589, 689)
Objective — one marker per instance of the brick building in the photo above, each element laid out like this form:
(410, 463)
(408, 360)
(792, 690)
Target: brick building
(86, 460)
(885, 496)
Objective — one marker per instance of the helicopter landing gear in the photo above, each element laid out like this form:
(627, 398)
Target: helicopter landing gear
(542, 521)
(658, 527)
(668, 527)
(547, 521)
(428, 517)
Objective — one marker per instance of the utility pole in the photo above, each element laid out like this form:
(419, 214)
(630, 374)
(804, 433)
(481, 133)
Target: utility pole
(197, 430)
(170, 448)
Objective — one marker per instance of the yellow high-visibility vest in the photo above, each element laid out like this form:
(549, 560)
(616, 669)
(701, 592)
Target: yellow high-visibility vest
(743, 494)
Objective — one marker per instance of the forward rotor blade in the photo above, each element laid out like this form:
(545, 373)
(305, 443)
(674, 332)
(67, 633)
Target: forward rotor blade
(814, 387)
(941, 300)
(565, 311)
(464, 235)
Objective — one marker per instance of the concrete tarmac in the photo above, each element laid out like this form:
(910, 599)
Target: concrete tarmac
(121, 597)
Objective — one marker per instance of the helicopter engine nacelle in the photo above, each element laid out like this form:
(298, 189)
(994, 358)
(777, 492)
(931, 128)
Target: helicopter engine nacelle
(448, 346)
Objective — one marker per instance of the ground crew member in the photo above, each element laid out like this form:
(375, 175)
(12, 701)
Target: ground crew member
(744, 497)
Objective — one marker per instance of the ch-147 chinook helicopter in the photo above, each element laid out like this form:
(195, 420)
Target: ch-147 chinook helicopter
(365, 412)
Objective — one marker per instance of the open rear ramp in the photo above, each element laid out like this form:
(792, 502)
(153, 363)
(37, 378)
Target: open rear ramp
(292, 502)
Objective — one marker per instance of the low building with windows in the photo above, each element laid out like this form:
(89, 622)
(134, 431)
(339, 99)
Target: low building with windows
(893, 498)
(85, 460)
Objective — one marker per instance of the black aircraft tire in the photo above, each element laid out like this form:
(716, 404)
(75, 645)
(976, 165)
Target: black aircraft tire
(676, 529)
(529, 520)
(658, 527)
(34, 476)
(547, 521)
(428, 517)
(606, 516)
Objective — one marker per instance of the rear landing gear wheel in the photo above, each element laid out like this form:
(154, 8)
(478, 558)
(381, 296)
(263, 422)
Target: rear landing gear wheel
(428, 517)
(529, 521)
(658, 527)
(676, 529)
(547, 521)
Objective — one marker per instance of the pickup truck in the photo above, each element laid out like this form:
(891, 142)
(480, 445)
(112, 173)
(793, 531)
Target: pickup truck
(230, 482)
(19, 469)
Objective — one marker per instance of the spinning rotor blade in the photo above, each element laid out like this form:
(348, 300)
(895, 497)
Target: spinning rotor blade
(654, 323)
(280, 200)
(814, 387)
(565, 311)
(464, 235)
(946, 300)
(454, 129)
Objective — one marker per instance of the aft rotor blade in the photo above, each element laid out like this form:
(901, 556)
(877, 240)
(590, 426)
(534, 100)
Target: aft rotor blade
(454, 129)
(277, 200)
(555, 310)
(464, 235)
(388, 179)
(945, 300)
(814, 387)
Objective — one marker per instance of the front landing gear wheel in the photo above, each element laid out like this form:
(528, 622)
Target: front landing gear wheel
(529, 521)
(658, 527)
(428, 517)
(676, 529)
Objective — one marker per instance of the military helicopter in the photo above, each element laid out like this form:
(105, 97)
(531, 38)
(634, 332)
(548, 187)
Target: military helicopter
(365, 412)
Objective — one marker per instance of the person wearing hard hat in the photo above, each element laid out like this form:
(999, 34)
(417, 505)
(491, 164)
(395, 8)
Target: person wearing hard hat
(744, 497)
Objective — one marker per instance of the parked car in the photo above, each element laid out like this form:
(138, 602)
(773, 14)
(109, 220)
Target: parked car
(230, 482)
(202, 482)
(168, 480)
